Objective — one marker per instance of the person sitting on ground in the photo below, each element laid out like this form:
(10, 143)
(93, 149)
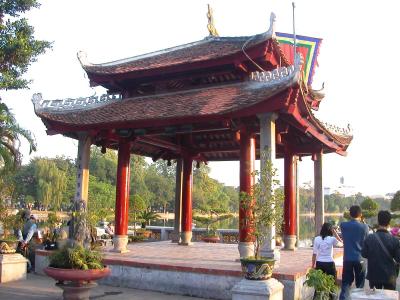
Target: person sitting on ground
(383, 253)
(322, 258)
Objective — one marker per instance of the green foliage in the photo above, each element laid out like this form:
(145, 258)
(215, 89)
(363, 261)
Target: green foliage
(7, 219)
(103, 166)
(369, 205)
(265, 204)
(323, 284)
(145, 217)
(10, 135)
(395, 203)
(18, 46)
(208, 193)
(52, 183)
(77, 257)
(209, 217)
(161, 186)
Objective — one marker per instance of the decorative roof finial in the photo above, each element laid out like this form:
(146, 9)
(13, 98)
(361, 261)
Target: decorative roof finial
(210, 26)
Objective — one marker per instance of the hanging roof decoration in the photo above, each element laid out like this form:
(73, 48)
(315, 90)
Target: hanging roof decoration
(308, 47)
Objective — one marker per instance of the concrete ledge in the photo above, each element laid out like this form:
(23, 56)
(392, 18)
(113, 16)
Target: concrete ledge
(12, 267)
(183, 283)
(361, 294)
(270, 289)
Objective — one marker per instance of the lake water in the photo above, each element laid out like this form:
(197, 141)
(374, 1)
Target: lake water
(307, 226)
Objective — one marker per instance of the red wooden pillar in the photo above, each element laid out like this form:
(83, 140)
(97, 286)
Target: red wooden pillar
(122, 197)
(186, 225)
(247, 159)
(290, 201)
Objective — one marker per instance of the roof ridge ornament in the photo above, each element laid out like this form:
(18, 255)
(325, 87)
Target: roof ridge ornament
(272, 21)
(280, 74)
(68, 104)
(210, 26)
(82, 57)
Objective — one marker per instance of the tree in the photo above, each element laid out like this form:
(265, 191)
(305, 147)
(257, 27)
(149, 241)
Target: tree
(51, 184)
(369, 205)
(103, 166)
(18, 46)
(10, 134)
(395, 204)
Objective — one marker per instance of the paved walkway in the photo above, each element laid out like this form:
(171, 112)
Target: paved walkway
(38, 287)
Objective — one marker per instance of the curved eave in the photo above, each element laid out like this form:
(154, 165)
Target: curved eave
(309, 123)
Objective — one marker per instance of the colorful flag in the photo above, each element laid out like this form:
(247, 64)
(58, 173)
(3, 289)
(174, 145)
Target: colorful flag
(308, 47)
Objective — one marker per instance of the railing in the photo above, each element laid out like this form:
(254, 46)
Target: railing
(159, 233)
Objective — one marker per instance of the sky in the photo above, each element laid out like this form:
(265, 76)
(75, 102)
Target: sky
(358, 62)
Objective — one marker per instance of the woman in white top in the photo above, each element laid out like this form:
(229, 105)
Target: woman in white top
(322, 258)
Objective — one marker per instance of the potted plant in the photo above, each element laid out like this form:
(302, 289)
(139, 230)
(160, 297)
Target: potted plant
(324, 285)
(9, 222)
(208, 218)
(145, 217)
(265, 204)
(77, 265)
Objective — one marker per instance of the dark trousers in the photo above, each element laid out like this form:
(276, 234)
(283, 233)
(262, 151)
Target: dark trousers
(351, 270)
(380, 285)
(326, 267)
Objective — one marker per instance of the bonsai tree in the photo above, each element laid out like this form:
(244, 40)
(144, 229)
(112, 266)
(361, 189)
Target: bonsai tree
(265, 204)
(323, 284)
(209, 217)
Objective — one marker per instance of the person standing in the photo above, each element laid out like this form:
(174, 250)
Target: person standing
(26, 246)
(354, 233)
(383, 253)
(322, 258)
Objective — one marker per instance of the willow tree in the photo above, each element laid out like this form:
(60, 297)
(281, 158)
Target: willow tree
(52, 183)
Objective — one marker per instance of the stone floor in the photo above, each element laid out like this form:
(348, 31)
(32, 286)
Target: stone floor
(38, 287)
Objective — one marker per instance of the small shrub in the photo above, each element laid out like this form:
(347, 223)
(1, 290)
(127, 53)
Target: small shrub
(77, 257)
(323, 284)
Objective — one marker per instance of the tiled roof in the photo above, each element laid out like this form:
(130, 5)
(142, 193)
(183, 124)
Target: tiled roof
(217, 100)
(207, 49)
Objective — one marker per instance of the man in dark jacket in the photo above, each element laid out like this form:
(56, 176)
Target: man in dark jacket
(354, 233)
(382, 251)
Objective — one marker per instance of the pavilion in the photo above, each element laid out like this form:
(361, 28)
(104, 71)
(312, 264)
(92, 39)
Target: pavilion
(217, 99)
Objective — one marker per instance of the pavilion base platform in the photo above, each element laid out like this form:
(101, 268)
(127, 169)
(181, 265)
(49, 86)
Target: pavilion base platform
(202, 269)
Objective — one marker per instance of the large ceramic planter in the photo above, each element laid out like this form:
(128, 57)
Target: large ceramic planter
(144, 233)
(257, 269)
(74, 275)
(211, 239)
(76, 284)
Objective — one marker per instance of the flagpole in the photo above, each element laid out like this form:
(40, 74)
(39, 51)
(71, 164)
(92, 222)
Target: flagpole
(294, 34)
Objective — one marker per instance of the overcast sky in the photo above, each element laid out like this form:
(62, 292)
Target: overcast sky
(359, 63)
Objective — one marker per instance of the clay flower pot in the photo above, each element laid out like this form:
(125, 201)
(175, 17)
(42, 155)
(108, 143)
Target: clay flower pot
(257, 269)
(211, 239)
(74, 275)
(76, 284)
